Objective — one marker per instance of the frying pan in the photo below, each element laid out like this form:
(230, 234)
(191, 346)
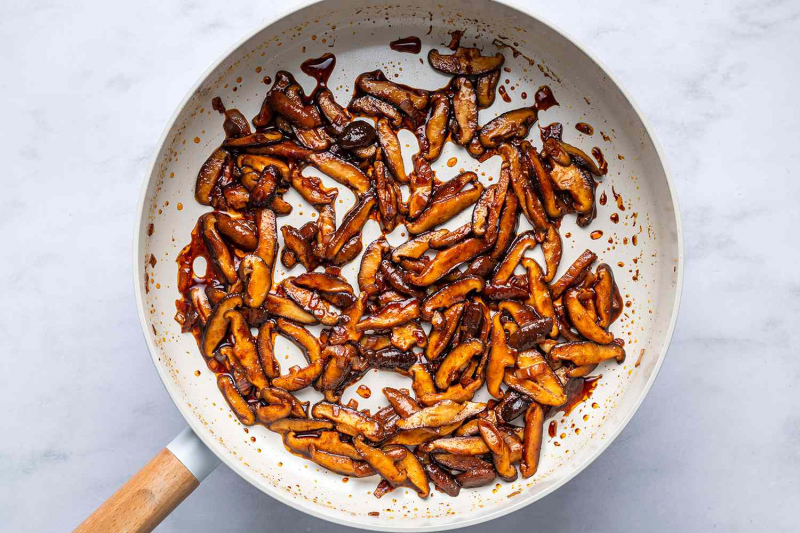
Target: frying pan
(638, 188)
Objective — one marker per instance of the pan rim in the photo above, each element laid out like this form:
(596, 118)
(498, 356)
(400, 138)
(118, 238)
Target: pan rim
(340, 518)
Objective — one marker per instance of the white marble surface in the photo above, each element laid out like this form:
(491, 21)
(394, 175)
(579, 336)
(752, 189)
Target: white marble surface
(86, 89)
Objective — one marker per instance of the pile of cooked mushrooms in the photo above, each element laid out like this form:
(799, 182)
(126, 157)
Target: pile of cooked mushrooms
(454, 310)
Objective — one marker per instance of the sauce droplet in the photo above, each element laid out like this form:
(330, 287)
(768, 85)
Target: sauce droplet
(615, 218)
(452, 162)
(319, 68)
(502, 91)
(408, 45)
(544, 99)
(618, 198)
(364, 391)
(603, 198)
(552, 428)
(596, 234)
(584, 128)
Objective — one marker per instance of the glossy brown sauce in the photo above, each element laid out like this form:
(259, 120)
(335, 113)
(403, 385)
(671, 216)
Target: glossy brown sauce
(615, 218)
(407, 45)
(618, 198)
(503, 94)
(552, 429)
(603, 198)
(587, 388)
(584, 128)
(544, 98)
(319, 68)
(217, 105)
(596, 234)
(601, 160)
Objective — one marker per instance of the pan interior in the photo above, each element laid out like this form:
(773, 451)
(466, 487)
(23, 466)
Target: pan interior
(636, 189)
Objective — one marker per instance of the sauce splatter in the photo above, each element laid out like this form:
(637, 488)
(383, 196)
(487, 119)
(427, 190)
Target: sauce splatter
(618, 198)
(407, 45)
(363, 391)
(601, 160)
(503, 94)
(319, 68)
(596, 234)
(615, 218)
(544, 99)
(584, 128)
(552, 428)
(603, 198)
(452, 162)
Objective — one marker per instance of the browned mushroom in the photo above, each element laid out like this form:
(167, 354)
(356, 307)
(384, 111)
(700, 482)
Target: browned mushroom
(241, 232)
(487, 87)
(447, 260)
(604, 295)
(312, 190)
(436, 127)
(456, 361)
(388, 196)
(339, 464)
(380, 462)
(253, 139)
(444, 327)
(465, 111)
(545, 388)
(370, 264)
(523, 242)
(532, 440)
(244, 349)
(265, 344)
(349, 420)
(544, 181)
(373, 107)
(573, 275)
(587, 353)
(441, 414)
(340, 170)
(583, 321)
(375, 84)
(510, 125)
(239, 405)
(352, 224)
(501, 356)
(294, 110)
(217, 325)
(402, 403)
(501, 453)
(465, 61)
(415, 473)
(390, 147)
(409, 335)
(302, 338)
(218, 250)
(256, 277)
(267, 247)
(287, 425)
(336, 115)
(259, 162)
(209, 175)
(540, 298)
(311, 302)
(284, 307)
(278, 405)
(393, 314)
(326, 441)
(451, 294)
(441, 210)
(440, 477)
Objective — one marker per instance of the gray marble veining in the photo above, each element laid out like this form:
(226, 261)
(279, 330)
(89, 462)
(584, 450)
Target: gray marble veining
(86, 89)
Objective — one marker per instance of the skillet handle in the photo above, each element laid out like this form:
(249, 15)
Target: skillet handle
(155, 490)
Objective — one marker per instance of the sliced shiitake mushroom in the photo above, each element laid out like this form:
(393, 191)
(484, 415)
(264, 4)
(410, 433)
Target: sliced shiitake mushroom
(393, 314)
(540, 298)
(279, 405)
(352, 224)
(375, 84)
(501, 453)
(373, 107)
(355, 422)
(267, 247)
(380, 462)
(441, 210)
(415, 474)
(293, 110)
(259, 162)
(265, 344)
(201, 304)
(336, 115)
(239, 405)
(391, 358)
(447, 260)
(583, 159)
(388, 195)
(440, 477)
(582, 320)
(444, 327)
(390, 147)
(299, 377)
(451, 294)
(544, 388)
(465, 61)
(532, 440)
(253, 139)
(402, 403)
(465, 111)
(220, 254)
(573, 275)
(510, 125)
(441, 414)
(409, 335)
(256, 277)
(244, 349)
(296, 425)
(302, 338)
(436, 127)
(523, 242)
(337, 370)
(370, 264)
(530, 334)
(339, 464)
(456, 361)
(472, 445)
(312, 190)
(218, 322)
(286, 148)
(574, 181)
(300, 247)
(322, 282)
(543, 179)
(311, 302)
(604, 295)
(487, 88)
(326, 441)
(285, 307)
(209, 175)
(340, 170)
(241, 232)
(587, 353)
(501, 356)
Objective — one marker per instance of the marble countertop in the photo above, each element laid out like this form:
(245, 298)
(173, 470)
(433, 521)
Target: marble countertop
(87, 87)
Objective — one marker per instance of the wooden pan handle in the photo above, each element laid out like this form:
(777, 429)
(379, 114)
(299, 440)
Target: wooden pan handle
(155, 490)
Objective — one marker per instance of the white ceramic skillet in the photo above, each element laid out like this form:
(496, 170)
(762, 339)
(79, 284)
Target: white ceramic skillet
(648, 267)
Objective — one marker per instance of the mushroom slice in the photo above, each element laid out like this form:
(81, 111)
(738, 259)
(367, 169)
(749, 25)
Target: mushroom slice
(299, 377)
(409, 335)
(416, 247)
(302, 338)
(523, 242)
(573, 180)
(372, 107)
(241, 232)
(415, 473)
(487, 87)
(441, 414)
(218, 250)
(444, 327)
(201, 304)
(457, 393)
(573, 275)
(254, 139)
(239, 405)
(265, 344)
(444, 238)
(376, 84)
(465, 111)
(337, 370)
(401, 402)
(312, 190)
(551, 248)
(326, 441)
(465, 61)
(267, 247)
(451, 294)
(545, 182)
(530, 334)
(440, 477)
(209, 175)
(540, 298)
(284, 307)
(414, 437)
(255, 275)
(454, 185)
(532, 440)
(279, 405)
(389, 197)
(352, 224)
(441, 210)
(391, 358)
(473, 445)
(298, 425)
(604, 295)
(311, 302)
(319, 281)
(583, 159)
(583, 321)
(293, 110)
(259, 162)
(390, 146)
(340, 170)
(456, 361)
(507, 227)
(340, 464)
(587, 353)
(446, 260)
(501, 453)
(510, 125)
(370, 264)
(346, 330)
(545, 388)
(481, 211)
(244, 349)
(217, 325)
(380, 462)
(436, 127)
(501, 356)
(393, 314)
(350, 419)
(461, 463)
(299, 246)
(423, 382)
(286, 149)
(336, 115)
